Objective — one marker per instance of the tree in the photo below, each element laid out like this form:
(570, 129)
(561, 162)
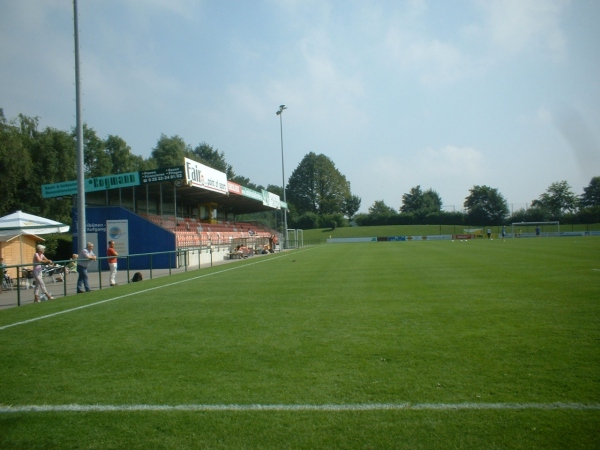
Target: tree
(210, 157)
(121, 158)
(54, 161)
(30, 158)
(558, 199)
(485, 205)
(351, 206)
(421, 203)
(15, 165)
(591, 194)
(274, 189)
(170, 151)
(96, 160)
(243, 181)
(317, 186)
(379, 208)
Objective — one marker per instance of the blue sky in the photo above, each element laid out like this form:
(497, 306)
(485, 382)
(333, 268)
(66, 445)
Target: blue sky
(441, 94)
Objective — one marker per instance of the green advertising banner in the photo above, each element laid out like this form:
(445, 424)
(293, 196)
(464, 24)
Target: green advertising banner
(91, 184)
(160, 175)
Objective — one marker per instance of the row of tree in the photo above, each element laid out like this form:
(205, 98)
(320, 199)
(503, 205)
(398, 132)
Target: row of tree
(30, 157)
(487, 206)
(318, 195)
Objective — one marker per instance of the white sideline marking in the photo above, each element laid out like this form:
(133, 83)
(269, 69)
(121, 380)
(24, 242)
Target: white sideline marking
(326, 407)
(139, 292)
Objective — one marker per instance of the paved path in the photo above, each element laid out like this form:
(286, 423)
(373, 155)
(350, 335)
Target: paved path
(9, 299)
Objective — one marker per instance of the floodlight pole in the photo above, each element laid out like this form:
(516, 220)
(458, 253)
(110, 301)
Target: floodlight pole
(285, 227)
(81, 221)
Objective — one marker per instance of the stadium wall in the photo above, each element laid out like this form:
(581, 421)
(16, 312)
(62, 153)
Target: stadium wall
(132, 235)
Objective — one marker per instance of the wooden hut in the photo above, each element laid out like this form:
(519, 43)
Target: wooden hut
(18, 249)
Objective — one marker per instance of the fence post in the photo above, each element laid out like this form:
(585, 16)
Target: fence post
(18, 287)
(99, 274)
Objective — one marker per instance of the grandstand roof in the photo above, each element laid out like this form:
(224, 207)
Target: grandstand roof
(231, 203)
(237, 204)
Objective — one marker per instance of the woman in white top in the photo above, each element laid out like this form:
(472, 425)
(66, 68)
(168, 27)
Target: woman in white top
(38, 259)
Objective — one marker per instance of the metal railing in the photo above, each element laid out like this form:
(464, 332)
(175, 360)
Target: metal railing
(179, 261)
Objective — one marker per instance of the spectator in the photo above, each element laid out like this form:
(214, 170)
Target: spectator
(87, 256)
(242, 251)
(112, 262)
(272, 243)
(3, 273)
(38, 259)
(72, 265)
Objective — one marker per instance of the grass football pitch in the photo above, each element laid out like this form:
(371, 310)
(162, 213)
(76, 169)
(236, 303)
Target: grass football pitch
(433, 344)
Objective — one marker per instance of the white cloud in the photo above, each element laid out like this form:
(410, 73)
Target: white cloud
(181, 8)
(516, 26)
(450, 161)
(450, 170)
(438, 62)
(582, 138)
(544, 116)
(502, 30)
(541, 117)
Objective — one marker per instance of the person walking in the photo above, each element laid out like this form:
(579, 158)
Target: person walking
(112, 262)
(87, 256)
(3, 273)
(38, 259)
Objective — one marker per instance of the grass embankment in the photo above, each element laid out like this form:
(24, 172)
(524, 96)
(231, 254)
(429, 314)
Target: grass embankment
(321, 234)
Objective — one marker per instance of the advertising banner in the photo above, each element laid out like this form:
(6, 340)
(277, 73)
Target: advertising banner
(439, 237)
(112, 182)
(118, 231)
(463, 236)
(158, 175)
(270, 199)
(345, 240)
(91, 184)
(234, 188)
(204, 177)
(59, 189)
(247, 192)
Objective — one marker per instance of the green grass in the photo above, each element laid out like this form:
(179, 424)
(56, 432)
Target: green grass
(483, 322)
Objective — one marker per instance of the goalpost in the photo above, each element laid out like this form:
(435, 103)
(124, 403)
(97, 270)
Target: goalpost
(550, 228)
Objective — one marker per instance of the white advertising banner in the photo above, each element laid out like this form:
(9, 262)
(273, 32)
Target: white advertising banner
(270, 199)
(199, 175)
(118, 231)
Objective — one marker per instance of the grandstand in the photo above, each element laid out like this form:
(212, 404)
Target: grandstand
(190, 232)
(190, 207)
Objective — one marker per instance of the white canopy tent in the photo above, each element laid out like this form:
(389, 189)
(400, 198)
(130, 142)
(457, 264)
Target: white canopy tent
(20, 223)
